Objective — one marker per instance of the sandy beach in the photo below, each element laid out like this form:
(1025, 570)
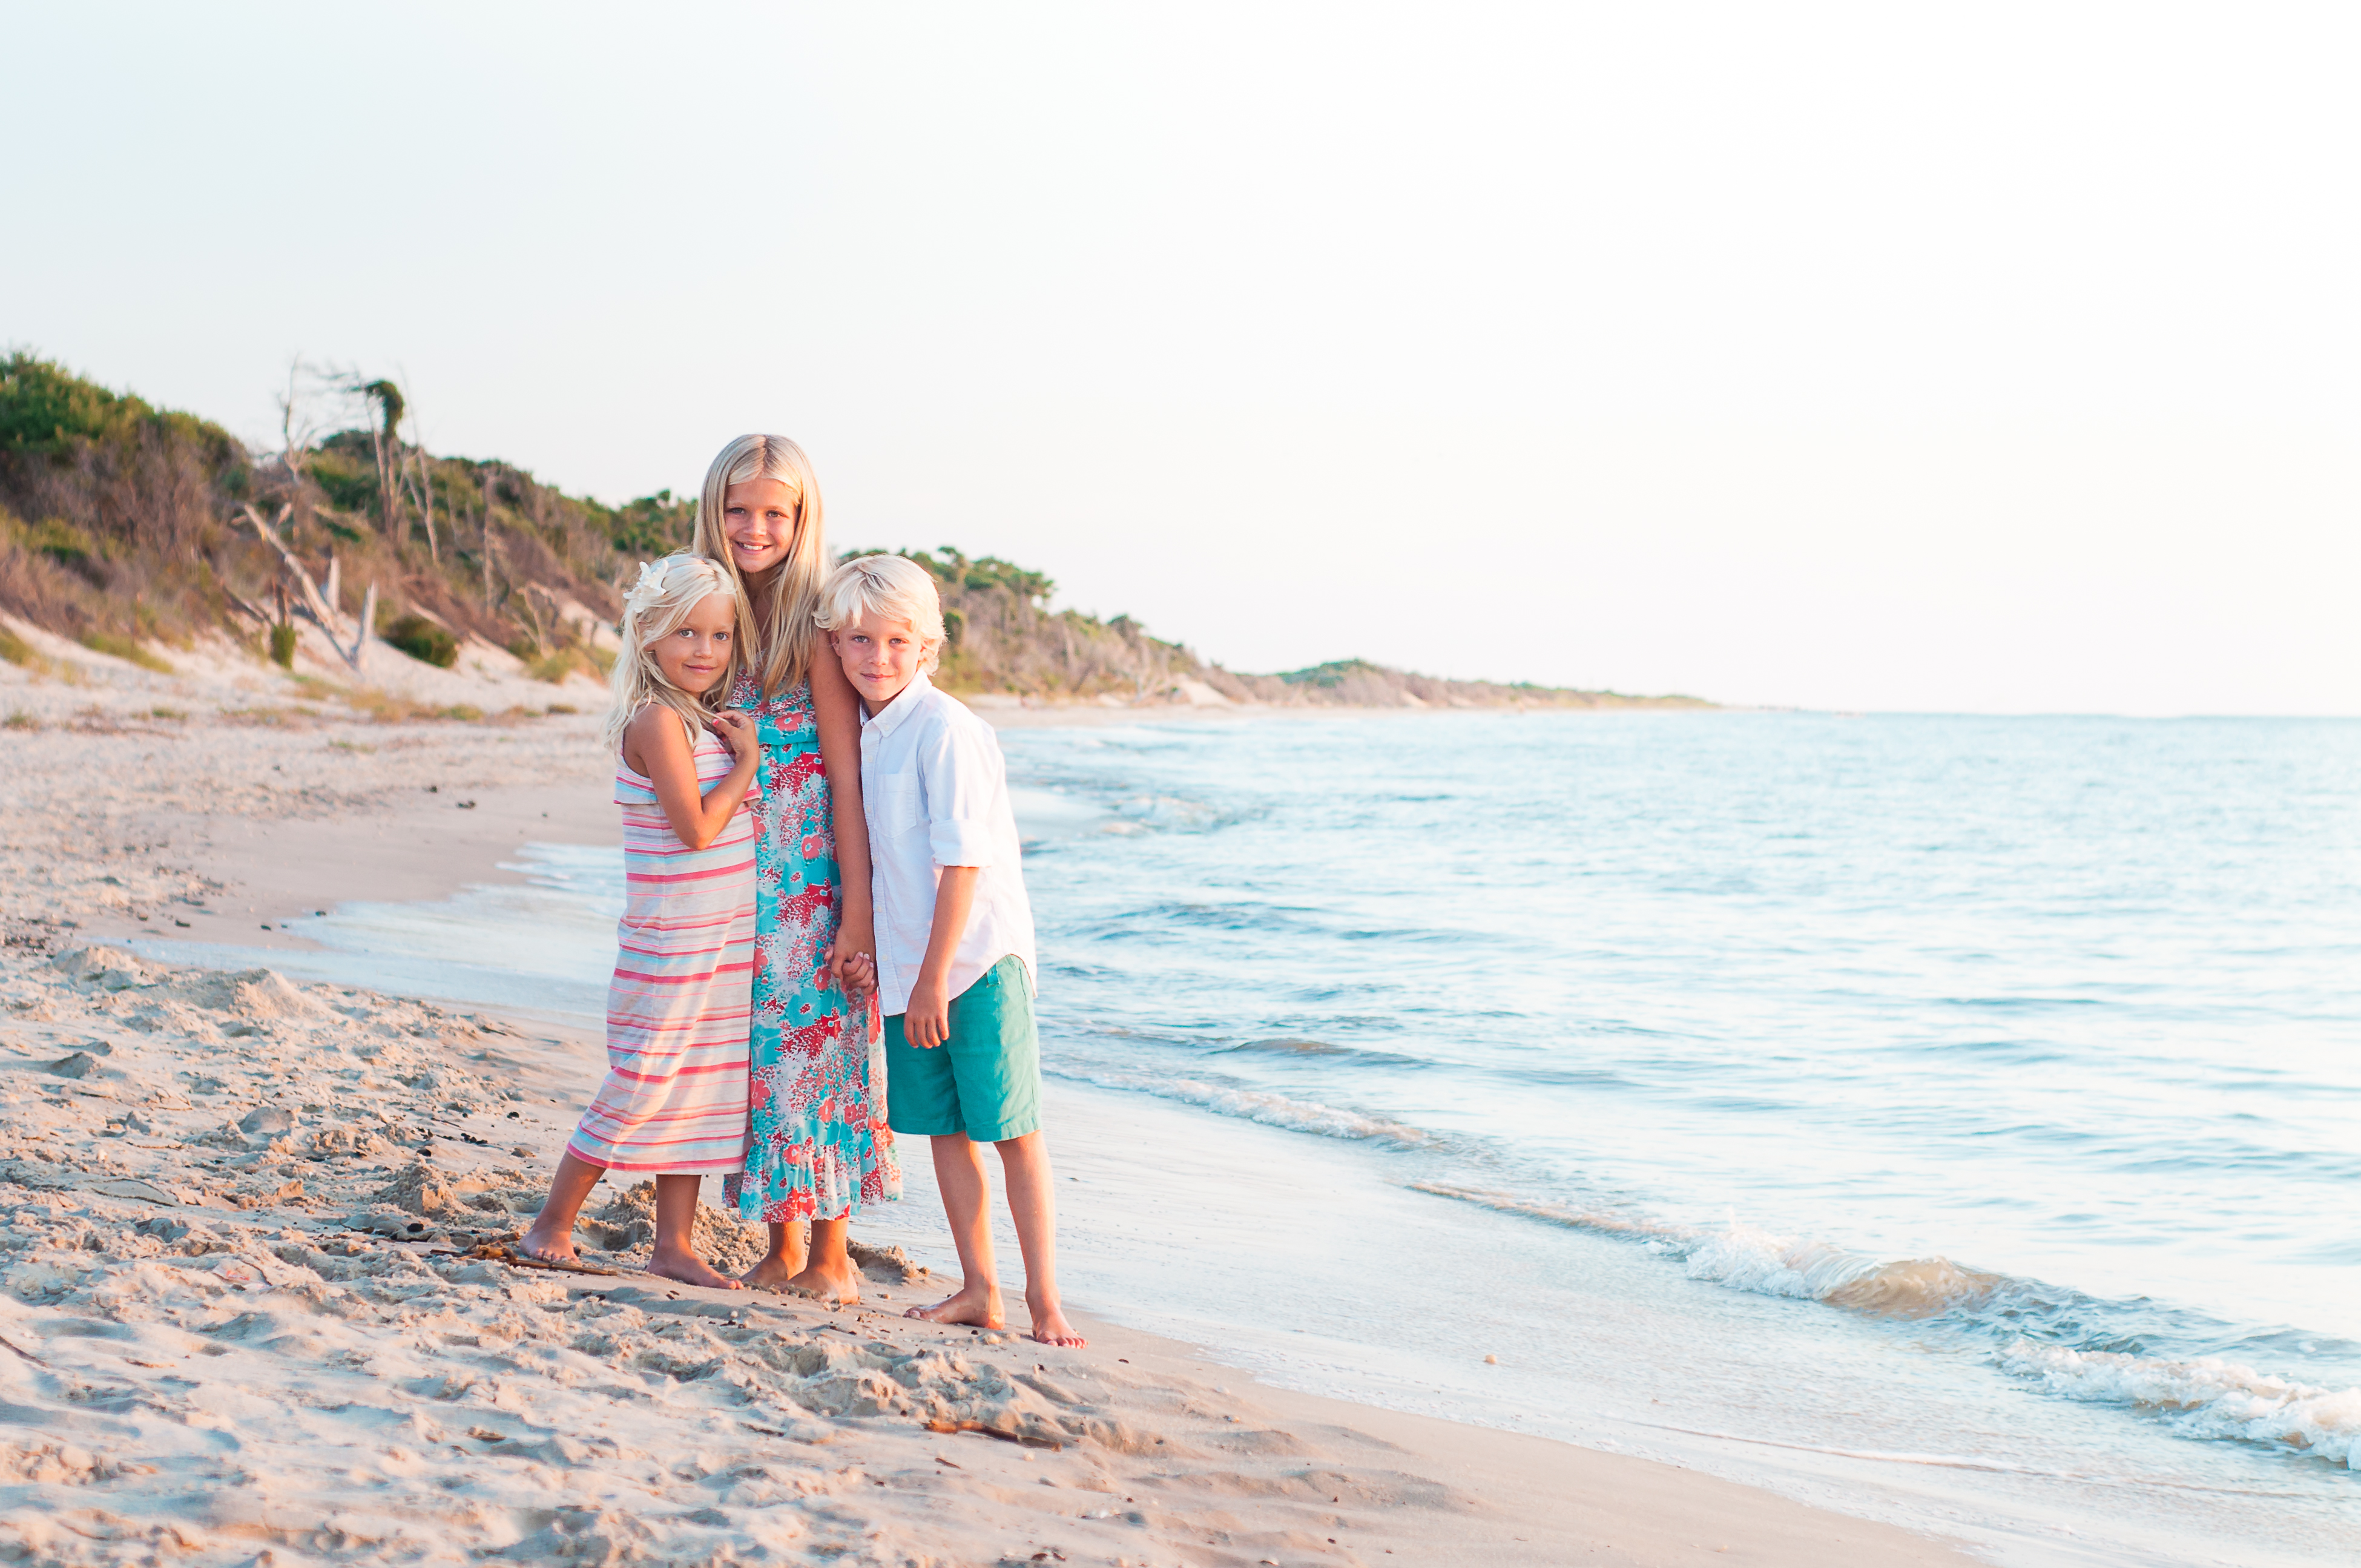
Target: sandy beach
(258, 1308)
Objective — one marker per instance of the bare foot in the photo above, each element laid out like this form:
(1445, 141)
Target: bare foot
(838, 1281)
(1050, 1326)
(972, 1307)
(689, 1269)
(549, 1245)
(771, 1274)
(788, 1253)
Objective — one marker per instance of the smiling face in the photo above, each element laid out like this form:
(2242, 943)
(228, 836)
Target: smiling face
(759, 519)
(881, 657)
(696, 653)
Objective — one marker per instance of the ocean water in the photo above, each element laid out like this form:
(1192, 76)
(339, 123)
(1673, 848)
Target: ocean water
(1949, 1119)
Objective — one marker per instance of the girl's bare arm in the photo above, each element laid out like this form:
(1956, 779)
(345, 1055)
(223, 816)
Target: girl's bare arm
(836, 708)
(656, 744)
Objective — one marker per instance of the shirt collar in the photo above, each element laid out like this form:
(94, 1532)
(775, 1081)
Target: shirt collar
(897, 712)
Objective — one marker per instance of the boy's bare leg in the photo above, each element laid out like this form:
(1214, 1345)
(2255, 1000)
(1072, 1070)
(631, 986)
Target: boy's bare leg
(1033, 1205)
(958, 1171)
(551, 1237)
(828, 1274)
(790, 1250)
(676, 1254)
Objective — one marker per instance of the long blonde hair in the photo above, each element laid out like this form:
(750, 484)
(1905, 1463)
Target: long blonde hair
(653, 610)
(784, 644)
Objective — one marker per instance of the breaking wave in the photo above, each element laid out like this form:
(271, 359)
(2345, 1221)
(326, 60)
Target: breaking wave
(2205, 1398)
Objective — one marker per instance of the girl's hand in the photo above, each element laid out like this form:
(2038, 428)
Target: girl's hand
(856, 930)
(738, 733)
(858, 975)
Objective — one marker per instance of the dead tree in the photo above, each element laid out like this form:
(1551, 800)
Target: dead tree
(316, 607)
(385, 442)
(488, 540)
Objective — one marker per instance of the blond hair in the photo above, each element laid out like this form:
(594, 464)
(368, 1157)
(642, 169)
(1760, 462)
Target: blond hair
(657, 604)
(891, 587)
(783, 645)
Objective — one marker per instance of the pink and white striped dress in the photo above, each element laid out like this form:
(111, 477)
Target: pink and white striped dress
(673, 1103)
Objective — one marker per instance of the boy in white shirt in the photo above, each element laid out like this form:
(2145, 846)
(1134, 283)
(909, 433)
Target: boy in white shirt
(954, 935)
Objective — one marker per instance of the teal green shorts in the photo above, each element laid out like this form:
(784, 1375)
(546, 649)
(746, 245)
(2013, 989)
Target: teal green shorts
(984, 1079)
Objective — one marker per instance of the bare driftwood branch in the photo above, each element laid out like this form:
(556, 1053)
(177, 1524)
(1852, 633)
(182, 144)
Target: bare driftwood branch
(426, 488)
(314, 608)
(488, 540)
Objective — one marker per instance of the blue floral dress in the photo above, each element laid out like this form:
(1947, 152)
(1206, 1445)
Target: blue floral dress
(817, 1145)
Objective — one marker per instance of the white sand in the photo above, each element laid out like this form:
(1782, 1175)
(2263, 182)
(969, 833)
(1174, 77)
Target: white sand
(240, 1325)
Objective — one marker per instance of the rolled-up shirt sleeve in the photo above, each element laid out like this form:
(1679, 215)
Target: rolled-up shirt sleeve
(962, 774)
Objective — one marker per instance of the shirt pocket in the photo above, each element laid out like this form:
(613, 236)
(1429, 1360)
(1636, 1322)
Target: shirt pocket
(901, 803)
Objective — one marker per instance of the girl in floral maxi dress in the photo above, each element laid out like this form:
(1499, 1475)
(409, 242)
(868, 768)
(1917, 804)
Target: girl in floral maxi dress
(817, 1146)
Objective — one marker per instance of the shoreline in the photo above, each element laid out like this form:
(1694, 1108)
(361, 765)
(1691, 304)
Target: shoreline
(310, 823)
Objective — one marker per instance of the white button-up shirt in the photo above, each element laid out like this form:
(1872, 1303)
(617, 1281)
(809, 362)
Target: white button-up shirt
(934, 788)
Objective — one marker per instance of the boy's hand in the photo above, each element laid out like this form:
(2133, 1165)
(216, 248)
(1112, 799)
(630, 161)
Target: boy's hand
(927, 1022)
(857, 972)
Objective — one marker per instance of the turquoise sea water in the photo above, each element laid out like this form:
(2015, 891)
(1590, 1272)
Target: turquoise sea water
(1953, 1119)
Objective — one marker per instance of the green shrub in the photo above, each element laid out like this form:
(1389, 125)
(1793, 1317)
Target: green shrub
(125, 647)
(282, 645)
(422, 640)
(345, 472)
(63, 542)
(652, 525)
(15, 649)
(558, 664)
(44, 407)
(467, 713)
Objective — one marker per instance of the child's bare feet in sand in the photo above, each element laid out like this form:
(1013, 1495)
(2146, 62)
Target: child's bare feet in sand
(828, 1274)
(790, 1250)
(828, 1279)
(1050, 1326)
(550, 1239)
(679, 1263)
(545, 1241)
(674, 1257)
(971, 1306)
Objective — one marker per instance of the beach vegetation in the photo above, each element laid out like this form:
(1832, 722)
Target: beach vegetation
(143, 533)
(19, 720)
(16, 649)
(423, 641)
(282, 644)
(126, 648)
(152, 526)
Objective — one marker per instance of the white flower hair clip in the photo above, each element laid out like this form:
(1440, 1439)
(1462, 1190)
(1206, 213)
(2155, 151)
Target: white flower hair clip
(647, 590)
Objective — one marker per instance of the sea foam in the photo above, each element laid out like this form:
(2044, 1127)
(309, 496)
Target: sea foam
(2206, 1398)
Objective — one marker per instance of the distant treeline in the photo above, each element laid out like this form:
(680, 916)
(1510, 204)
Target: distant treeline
(1002, 638)
(123, 524)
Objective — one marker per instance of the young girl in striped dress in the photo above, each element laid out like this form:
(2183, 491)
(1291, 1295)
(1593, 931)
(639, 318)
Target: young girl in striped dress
(673, 1103)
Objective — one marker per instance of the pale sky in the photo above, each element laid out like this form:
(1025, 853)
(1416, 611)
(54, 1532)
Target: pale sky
(1992, 357)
